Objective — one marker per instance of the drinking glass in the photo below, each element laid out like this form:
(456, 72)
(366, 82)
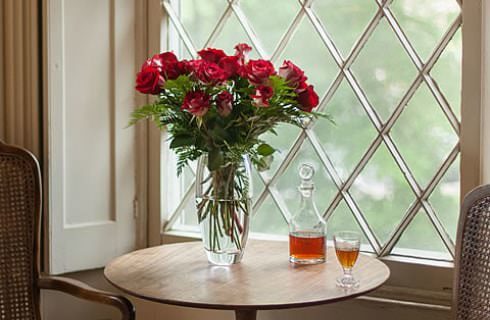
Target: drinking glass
(347, 244)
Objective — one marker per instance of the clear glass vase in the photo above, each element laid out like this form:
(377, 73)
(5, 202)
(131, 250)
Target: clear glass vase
(223, 200)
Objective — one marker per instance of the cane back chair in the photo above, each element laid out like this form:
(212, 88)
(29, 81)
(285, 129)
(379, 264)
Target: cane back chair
(20, 228)
(472, 260)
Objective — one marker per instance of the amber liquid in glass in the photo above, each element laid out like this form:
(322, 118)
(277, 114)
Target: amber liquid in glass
(347, 257)
(307, 247)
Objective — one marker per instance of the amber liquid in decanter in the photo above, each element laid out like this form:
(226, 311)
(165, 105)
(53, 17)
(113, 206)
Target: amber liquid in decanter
(307, 246)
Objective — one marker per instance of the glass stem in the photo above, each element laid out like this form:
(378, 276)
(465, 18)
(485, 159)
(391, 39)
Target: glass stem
(347, 272)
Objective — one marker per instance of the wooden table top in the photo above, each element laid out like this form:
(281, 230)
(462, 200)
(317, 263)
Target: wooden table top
(180, 274)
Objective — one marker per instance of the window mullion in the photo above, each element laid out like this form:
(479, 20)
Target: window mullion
(183, 202)
(421, 67)
(406, 44)
(358, 216)
(414, 208)
(283, 42)
(361, 42)
(180, 28)
(219, 26)
(442, 102)
(242, 19)
(289, 157)
(441, 231)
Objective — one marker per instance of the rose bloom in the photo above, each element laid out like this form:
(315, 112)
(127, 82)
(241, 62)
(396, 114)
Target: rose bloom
(307, 98)
(241, 51)
(259, 71)
(175, 69)
(154, 62)
(149, 80)
(208, 72)
(230, 66)
(161, 59)
(167, 57)
(197, 103)
(262, 96)
(212, 55)
(224, 102)
(292, 74)
(168, 65)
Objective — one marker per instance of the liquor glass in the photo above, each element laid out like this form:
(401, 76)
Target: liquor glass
(347, 245)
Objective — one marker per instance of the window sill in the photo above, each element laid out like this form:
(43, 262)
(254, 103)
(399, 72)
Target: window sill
(174, 236)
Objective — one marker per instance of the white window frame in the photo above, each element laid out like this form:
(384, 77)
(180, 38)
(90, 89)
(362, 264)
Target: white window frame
(424, 282)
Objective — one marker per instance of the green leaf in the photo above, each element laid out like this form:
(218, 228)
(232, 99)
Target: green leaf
(215, 159)
(278, 83)
(273, 131)
(181, 140)
(182, 83)
(322, 115)
(219, 133)
(265, 150)
(264, 163)
(144, 112)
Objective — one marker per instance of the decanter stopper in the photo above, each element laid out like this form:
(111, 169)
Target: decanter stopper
(306, 173)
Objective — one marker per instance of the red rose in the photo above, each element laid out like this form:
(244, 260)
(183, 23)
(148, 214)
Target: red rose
(197, 103)
(175, 69)
(224, 101)
(230, 65)
(242, 50)
(259, 71)
(301, 85)
(154, 61)
(168, 65)
(211, 55)
(171, 67)
(167, 57)
(262, 96)
(293, 75)
(307, 98)
(160, 60)
(149, 80)
(208, 72)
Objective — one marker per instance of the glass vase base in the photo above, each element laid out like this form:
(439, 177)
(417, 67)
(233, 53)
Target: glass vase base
(224, 258)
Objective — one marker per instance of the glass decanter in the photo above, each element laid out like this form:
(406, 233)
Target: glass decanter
(307, 228)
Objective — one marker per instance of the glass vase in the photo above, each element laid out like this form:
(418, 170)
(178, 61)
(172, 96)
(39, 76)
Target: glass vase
(223, 200)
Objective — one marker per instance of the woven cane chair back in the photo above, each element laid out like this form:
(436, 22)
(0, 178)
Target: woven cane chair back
(472, 264)
(20, 205)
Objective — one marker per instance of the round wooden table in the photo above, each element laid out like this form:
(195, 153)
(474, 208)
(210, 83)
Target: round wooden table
(179, 274)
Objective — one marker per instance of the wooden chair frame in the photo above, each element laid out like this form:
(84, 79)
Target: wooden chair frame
(66, 285)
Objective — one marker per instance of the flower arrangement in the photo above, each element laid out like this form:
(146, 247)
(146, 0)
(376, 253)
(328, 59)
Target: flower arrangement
(218, 106)
(221, 104)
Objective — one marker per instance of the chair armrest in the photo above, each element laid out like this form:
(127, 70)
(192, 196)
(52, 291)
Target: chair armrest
(81, 290)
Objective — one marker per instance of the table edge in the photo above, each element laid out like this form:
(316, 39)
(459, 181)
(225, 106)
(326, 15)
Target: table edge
(250, 307)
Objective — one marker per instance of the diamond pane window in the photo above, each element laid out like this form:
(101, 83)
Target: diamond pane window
(389, 72)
